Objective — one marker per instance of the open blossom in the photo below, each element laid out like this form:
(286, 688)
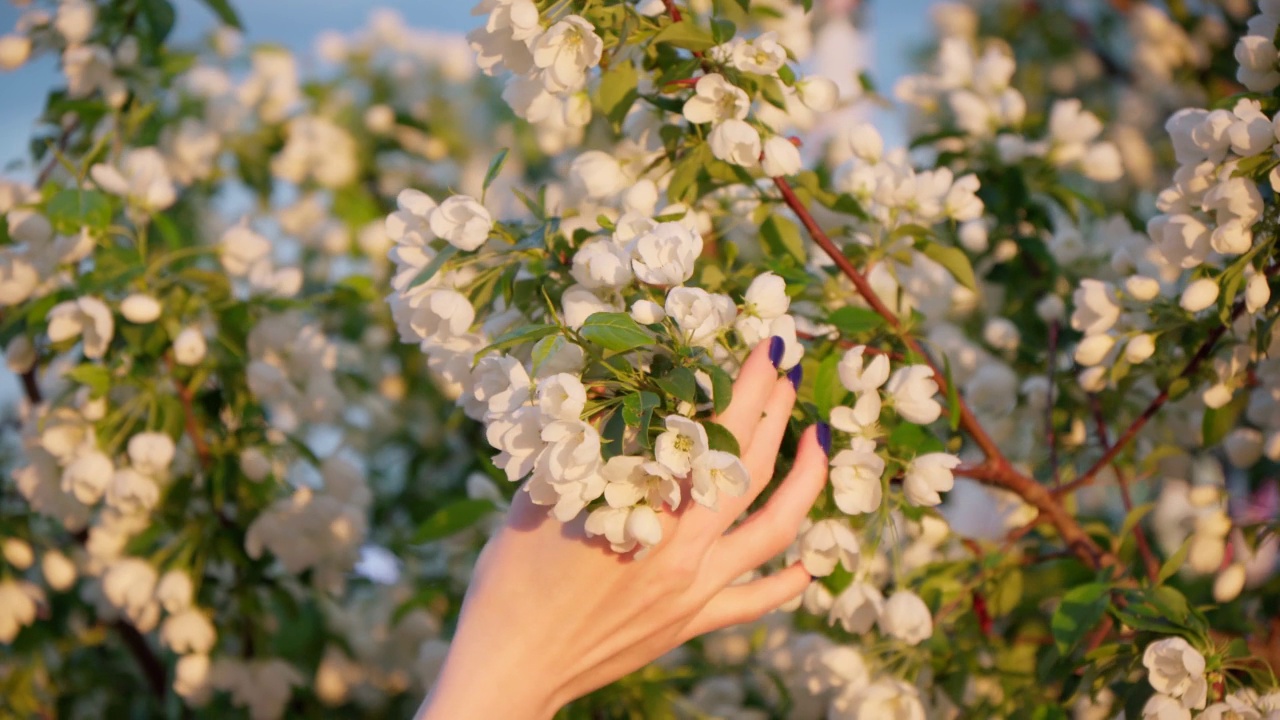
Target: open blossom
(680, 444)
(736, 142)
(716, 100)
(151, 453)
(632, 479)
(565, 52)
(18, 604)
(912, 389)
(828, 543)
(857, 607)
(700, 315)
(855, 477)
(714, 472)
(928, 475)
(666, 254)
(906, 618)
(87, 317)
(1176, 669)
(781, 157)
(1096, 308)
(142, 178)
(462, 221)
(886, 698)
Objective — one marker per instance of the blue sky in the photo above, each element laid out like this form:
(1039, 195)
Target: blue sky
(295, 23)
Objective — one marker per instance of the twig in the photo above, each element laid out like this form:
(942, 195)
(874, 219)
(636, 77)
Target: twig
(672, 10)
(1050, 432)
(192, 425)
(996, 469)
(1149, 560)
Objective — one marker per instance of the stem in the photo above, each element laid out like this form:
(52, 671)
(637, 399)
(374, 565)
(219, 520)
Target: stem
(1139, 535)
(672, 10)
(1050, 432)
(996, 470)
(187, 398)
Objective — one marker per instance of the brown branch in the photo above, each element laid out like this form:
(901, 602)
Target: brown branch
(1050, 433)
(672, 10)
(1202, 353)
(996, 470)
(192, 425)
(152, 668)
(1149, 560)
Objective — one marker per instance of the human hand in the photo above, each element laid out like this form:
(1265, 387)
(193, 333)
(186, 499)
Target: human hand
(552, 615)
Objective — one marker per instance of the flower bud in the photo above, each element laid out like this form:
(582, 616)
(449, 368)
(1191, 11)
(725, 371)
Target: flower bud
(1206, 553)
(17, 552)
(1051, 308)
(643, 525)
(1257, 292)
(1142, 288)
(1199, 295)
(189, 347)
(58, 570)
(14, 51)
(1094, 379)
(781, 157)
(1229, 583)
(1093, 349)
(1139, 348)
(140, 308)
(1243, 446)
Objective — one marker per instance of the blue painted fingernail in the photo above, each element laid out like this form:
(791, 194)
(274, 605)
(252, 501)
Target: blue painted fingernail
(824, 437)
(776, 347)
(795, 375)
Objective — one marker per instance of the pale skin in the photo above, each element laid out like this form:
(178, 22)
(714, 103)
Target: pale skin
(551, 615)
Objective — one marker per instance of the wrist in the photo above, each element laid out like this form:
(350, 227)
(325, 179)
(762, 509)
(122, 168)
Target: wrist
(480, 690)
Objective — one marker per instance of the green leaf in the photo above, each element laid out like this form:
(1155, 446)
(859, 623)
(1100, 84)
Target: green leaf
(911, 440)
(618, 92)
(519, 336)
(96, 377)
(685, 34)
(72, 209)
(721, 387)
(160, 18)
(1217, 422)
(225, 13)
(851, 320)
(615, 331)
(680, 383)
(451, 519)
(683, 187)
(434, 266)
(722, 31)
(953, 395)
(1079, 612)
(546, 348)
(828, 392)
(495, 167)
(954, 260)
(782, 237)
(637, 408)
(719, 438)
(1174, 563)
(1004, 599)
(1132, 519)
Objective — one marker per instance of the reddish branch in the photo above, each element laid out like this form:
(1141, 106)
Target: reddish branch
(192, 425)
(1050, 435)
(672, 10)
(996, 470)
(1149, 560)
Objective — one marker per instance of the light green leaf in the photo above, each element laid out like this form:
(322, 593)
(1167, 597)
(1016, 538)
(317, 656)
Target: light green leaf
(782, 237)
(495, 167)
(685, 34)
(1079, 612)
(615, 331)
(855, 320)
(954, 260)
(720, 438)
(72, 209)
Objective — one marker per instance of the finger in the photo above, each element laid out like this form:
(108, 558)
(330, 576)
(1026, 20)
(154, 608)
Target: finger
(750, 392)
(750, 601)
(772, 528)
(761, 455)
(758, 458)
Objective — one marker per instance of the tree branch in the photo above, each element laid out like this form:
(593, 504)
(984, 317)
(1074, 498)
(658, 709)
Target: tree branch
(1149, 560)
(996, 470)
(192, 425)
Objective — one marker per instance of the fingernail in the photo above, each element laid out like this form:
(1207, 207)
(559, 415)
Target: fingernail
(824, 437)
(795, 375)
(776, 346)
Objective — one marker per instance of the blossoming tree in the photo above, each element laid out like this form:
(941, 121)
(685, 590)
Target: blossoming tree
(288, 345)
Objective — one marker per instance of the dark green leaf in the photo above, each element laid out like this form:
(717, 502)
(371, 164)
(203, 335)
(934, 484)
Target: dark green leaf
(452, 518)
(519, 336)
(618, 92)
(828, 392)
(851, 320)
(615, 331)
(680, 383)
(1217, 422)
(721, 388)
(1174, 563)
(225, 13)
(685, 34)
(637, 408)
(72, 209)
(719, 438)
(1079, 612)
(434, 266)
(782, 237)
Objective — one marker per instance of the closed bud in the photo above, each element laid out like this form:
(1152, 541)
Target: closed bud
(1243, 446)
(140, 308)
(1093, 349)
(17, 552)
(781, 157)
(1257, 292)
(1229, 583)
(14, 51)
(1139, 348)
(1142, 288)
(1199, 295)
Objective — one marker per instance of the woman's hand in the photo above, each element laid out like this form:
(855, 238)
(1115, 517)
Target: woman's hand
(551, 615)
